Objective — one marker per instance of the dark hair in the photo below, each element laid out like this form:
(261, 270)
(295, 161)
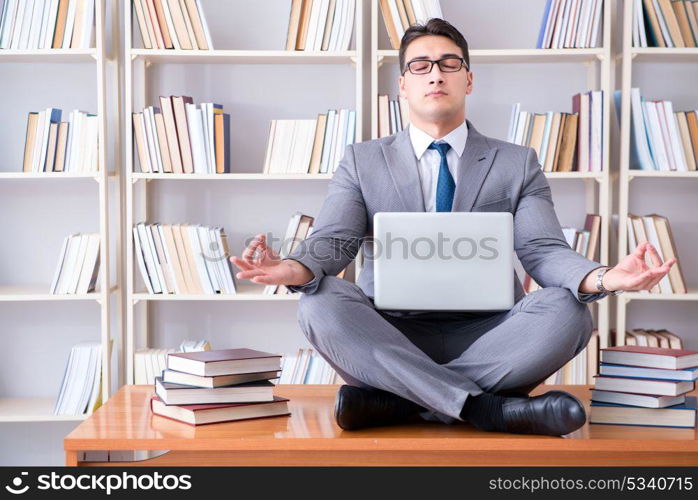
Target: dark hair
(434, 26)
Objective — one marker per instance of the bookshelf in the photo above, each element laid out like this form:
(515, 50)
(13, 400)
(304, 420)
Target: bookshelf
(139, 92)
(632, 57)
(599, 65)
(40, 408)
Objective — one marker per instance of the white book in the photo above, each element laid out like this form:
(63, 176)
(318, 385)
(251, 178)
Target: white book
(69, 22)
(549, 25)
(434, 8)
(196, 136)
(156, 258)
(149, 257)
(313, 25)
(338, 140)
(88, 21)
(561, 25)
(639, 134)
(351, 129)
(35, 27)
(192, 233)
(61, 260)
(666, 137)
(393, 118)
(583, 146)
(39, 139)
(522, 125)
(76, 147)
(597, 104)
(337, 23)
(170, 25)
(16, 40)
(96, 379)
(67, 374)
(79, 259)
(594, 35)
(7, 23)
(653, 237)
(663, 26)
(395, 14)
(68, 263)
(68, 390)
(322, 23)
(140, 259)
(676, 144)
(513, 120)
(585, 11)
(43, 30)
(327, 142)
(203, 234)
(571, 25)
(270, 147)
(348, 25)
(69, 141)
(90, 264)
(83, 142)
(225, 265)
(171, 258)
(655, 135)
(152, 139)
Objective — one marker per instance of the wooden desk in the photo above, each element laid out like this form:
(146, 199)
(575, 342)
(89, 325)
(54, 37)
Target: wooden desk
(310, 437)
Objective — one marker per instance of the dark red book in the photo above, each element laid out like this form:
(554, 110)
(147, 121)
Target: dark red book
(652, 357)
(223, 362)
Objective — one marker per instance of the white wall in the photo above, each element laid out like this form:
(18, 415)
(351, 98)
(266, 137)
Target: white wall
(39, 214)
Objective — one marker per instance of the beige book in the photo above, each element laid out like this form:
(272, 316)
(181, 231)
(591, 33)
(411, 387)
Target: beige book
(61, 18)
(671, 22)
(80, 13)
(32, 122)
(316, 155)
(692, 118)
(180, 115)
(412, 19)
(553, 141)
(383, 116)
(162, 142)
(692, 18)
(61, 147)
(654, 22)
(402, 12)
(191, 263)
(142, 24)
(592, 357)
(293, 24)
(668, 247)
(328, 25)
(558, 145)
(536, 140)
(593, 225)
(141, 144)
(171, 132)
(160, 255)
(270, 147)
(174, 259)
(390, 26)
(568, 143)
(675, 341)
(197, 24)
(404, 111)
(686, 140)
(180, 26)
(178, 234)
(153, 20)
(640, 238)
(684, 27)
(162, 23)
(188, 24)
(51, 150)
(304, 22)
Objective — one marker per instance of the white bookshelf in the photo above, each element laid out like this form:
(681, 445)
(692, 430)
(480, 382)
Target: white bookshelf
(40, 409)
(630, 56)
(137, 61)
(599, 65)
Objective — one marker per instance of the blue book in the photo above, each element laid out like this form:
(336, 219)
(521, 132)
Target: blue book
(544, 24)
(681, 415)
(617, 370)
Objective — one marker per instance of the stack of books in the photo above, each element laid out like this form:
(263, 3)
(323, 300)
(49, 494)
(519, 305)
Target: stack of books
(564, 142)
(320, 25)
(665, 23)
(78, 265)
(584, 241)
(183, 138)
(47, 24)
(573, 24)
(655, 229)
(660, 138)
(393, 115)
(399, 15)
(173, 24)
(218, 386)
(309, 146)
(307, 367)
(55, 146)
(183, 259)
(640, 385)
(150, 362)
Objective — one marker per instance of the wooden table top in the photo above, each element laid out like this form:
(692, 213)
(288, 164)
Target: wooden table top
(126, 422)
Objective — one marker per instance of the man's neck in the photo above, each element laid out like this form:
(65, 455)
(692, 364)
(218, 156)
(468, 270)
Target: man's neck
(437, 130)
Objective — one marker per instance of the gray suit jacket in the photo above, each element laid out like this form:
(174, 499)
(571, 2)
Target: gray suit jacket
(493, 176)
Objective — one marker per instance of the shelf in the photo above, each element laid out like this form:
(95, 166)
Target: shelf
(48, 55)
(233, 176)
(519, 56)
(663, 54)
(243, 56)
(50, 175)
(32, 410)
(574, 175)
(692, 295)
(26, 293)
(665, 174)
(245, 292)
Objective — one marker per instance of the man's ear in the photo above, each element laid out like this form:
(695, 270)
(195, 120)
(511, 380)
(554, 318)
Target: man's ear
(469, 83)
(401, 86)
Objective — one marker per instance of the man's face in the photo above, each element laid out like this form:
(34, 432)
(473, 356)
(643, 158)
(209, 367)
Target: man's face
(437, 95)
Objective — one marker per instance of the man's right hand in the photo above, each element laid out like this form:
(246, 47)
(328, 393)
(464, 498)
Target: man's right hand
(260, 264)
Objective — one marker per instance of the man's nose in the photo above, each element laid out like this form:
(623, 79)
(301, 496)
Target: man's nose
(436, 76)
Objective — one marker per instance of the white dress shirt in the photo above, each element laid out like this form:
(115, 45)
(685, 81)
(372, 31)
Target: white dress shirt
(429, 160)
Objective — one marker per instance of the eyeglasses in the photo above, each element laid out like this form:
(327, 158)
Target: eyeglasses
(448, 64)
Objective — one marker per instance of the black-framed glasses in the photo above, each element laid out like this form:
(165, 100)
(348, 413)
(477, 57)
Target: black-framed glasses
(449, 64)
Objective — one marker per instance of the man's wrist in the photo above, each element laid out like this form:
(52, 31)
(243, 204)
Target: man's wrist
(602, 281)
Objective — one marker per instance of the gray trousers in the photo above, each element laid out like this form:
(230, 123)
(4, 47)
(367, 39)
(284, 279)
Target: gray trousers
(436, 359)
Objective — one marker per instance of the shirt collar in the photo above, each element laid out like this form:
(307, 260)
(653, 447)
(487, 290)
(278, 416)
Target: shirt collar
(455, 138)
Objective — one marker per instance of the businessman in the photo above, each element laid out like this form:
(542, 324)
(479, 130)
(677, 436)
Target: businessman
(445, 366)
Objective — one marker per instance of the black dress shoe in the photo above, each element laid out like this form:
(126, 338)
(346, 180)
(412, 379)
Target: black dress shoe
(554, 413)
(357, 407)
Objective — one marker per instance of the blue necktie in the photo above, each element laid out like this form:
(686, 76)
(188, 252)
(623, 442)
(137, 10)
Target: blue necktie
(446, 186)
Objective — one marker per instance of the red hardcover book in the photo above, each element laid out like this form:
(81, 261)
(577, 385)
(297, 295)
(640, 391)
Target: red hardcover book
(652, 357)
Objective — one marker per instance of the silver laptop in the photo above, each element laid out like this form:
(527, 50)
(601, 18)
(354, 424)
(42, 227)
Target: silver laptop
(443, 261)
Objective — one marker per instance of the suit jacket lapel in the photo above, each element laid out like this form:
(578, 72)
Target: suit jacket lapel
(473, 167)
(404, 171)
